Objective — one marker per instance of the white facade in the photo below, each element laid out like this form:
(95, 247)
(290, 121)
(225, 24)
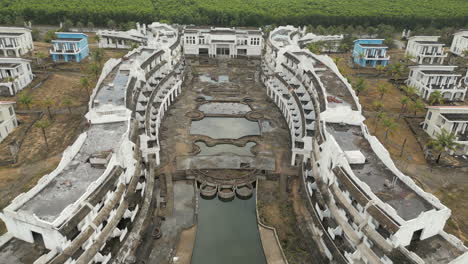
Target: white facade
(8, 120)
(15, 42)
(15, 74)
(426, 50)
(454, 119)
(122, 39)
(229, 42)
(459, 43)
(430, 78)
(363, 208)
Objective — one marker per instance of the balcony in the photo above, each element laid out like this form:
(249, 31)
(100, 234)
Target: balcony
(462, 137)
(65, 51)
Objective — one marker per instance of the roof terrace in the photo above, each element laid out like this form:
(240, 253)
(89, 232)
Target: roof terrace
(70, 184)
(407, 203)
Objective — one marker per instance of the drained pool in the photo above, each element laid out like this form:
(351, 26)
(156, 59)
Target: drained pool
(224, 108)
(227, 233)
(225, 127)
(225, 148)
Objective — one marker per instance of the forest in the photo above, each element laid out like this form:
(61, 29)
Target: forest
(399, 13)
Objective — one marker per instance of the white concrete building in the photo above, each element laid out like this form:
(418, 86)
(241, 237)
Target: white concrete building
(459, 43)
(331, 43)
(15, 42)
(122, 39)
(426, 50)
(363, 209)
(442, 78)
(15, 74)
(454, 119)
(90, 201)
(8, 120)
(229, 42)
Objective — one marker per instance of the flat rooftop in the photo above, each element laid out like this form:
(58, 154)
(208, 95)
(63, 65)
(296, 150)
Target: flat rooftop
(435, 250)
(72, 182)
(428, 42)
(407, 203)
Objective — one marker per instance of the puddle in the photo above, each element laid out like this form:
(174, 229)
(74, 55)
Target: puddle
(225, 108)
(224, 127)
(225, 148)
(207, 78)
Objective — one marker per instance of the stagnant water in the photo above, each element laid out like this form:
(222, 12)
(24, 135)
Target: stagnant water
(225, 148)
(224, 127)
(227, 233)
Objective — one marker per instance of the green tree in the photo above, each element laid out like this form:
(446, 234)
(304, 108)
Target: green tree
(379, 116)
(410, 90)
(90, 25)
(443, 142)
(67, 25)
(315, 47)
(49, 36)
(360, 86)
(67, 102)
(98, 56)
(40, 56)
(25, 99)
(35, 34)
(436, 98)
(48, 103)
(84, 83)
(390, 125)
(43, 125)
(111, 24)
(382, 88)
(404, 100)
(380, 69)
(94, 70)
(418, 106)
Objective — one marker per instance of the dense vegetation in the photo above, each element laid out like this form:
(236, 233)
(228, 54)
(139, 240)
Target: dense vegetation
(400, 13)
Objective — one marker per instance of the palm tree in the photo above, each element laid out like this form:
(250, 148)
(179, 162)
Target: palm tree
(380, 115)
(436, 98)
(94, 70)
(418, 105)
(97, 38)
(40, 56)
(404, 100)
(48, 103)
(360, 86)
(390, 125)
(380, 68)
(98, 56)
(67, 102)
(443, 142)
(360, 56)
(26, 100)
(84, 83)
(383, 89)
(314, 47)
(410, 90)
(43, 124)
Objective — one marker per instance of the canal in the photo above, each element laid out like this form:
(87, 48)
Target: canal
(227, 233)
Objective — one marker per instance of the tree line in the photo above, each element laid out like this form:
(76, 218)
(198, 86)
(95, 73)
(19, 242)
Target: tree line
(400, 13)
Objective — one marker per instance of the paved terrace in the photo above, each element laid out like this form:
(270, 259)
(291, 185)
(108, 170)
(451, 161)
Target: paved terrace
(113, 89)
(435, 250)
(72, 182)
(407, 203)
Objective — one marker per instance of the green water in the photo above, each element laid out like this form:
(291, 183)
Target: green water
(227, 233)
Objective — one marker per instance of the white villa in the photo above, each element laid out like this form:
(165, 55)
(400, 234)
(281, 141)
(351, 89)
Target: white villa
(8, 120)
(231, 42)
(459, 43)
(15, 74)
(15, 42)
(454, 119)
(426, 50)
(122, 39)
(443, 78)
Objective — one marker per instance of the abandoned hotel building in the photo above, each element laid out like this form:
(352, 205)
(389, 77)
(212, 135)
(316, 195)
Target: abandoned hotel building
(364, 210)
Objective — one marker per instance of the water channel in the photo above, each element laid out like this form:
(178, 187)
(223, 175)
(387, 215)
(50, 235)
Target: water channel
(227, 231)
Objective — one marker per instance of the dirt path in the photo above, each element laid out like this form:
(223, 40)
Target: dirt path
(185, 246)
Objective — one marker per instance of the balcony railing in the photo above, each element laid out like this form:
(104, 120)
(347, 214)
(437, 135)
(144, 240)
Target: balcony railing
(65, 51)
(462, 137)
